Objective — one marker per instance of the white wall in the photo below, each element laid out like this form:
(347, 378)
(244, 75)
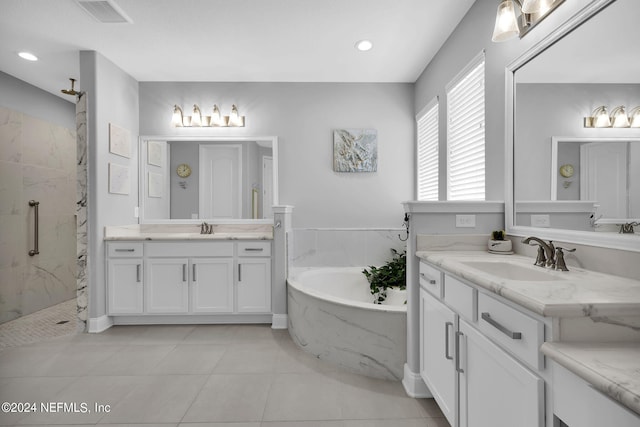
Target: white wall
(472, 35)
(112, 97)
(303, 116)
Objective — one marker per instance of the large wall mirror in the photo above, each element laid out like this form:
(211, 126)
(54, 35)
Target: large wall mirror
(218, 180)
(569, 182)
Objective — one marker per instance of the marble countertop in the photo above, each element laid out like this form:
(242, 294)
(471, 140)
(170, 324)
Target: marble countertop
(611, 368)
(188, 232)
(575, 293)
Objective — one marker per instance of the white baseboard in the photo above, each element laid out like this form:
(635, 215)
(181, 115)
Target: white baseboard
(413, 384)
(99, 324)
(279, 321)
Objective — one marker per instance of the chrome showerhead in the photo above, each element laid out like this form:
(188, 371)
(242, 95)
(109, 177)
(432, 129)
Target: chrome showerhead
(71, 91)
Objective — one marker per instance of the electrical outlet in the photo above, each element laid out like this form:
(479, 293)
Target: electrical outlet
(136, 212)
(194, 216)
(465, 221)
(540, 221)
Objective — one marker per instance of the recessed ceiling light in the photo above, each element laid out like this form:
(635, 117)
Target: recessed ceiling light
(28, 56)
(364, 45)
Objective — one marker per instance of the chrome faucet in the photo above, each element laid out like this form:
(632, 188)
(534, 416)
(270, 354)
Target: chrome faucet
(206, 228)
(548, 255)
(546, 252)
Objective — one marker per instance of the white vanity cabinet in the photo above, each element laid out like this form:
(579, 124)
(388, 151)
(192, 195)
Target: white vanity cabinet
(476, 381)
(191, 278)
(253, 288)
(124, 278)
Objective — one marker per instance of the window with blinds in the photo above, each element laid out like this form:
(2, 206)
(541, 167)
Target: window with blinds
(465, 133)
(427, 132)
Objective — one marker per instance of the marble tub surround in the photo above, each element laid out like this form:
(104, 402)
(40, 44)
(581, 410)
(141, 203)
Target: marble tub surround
(611, 368)
(576, 293)
(310, 247)
(189, 232)
(366, 341)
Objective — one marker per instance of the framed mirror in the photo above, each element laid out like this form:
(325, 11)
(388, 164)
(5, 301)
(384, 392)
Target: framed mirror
(212, 179)
(587, 62)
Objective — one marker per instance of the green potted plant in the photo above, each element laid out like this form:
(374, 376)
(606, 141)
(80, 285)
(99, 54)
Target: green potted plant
(388, 283)
(498, 243)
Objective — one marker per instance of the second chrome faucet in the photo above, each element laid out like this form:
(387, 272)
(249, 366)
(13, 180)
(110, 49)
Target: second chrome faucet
(548, 254)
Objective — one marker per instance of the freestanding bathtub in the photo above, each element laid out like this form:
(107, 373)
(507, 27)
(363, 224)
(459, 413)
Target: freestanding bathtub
(330, 316)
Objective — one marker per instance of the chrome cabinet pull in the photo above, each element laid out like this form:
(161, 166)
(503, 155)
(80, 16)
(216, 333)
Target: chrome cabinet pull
(239, 272)
(138, 273)
(194, 273)
(458, 368)
(184, 272)
(431, 281)
(513, 335)
(253, 249)
(35, 250)
(125, 250)
(446, 340)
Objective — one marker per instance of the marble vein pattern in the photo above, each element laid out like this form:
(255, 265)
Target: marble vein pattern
(364, 341)
(189, 232)
(36, 163)
(612, 368)
(81, 212)
(576, 293)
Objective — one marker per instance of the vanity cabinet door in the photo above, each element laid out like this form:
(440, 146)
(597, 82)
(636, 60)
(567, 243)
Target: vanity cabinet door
(124, 286)
(167, 285)
(437, 361)
(253, 286)
(211, 285)
(495, 389)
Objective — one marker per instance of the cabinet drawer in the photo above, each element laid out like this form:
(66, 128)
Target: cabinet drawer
(515, 331)
(254, 249)
(189, 249)
(430, 279)
(124, 250)
(461, 297)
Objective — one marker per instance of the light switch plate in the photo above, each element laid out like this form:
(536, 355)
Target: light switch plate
(136, 212)
(465, 221)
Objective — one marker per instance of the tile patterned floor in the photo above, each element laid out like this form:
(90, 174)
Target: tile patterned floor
(207, 375)
(56, 321)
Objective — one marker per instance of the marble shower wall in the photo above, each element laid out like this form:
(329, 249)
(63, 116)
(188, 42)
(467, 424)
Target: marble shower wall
(343, 247)
(37, 162)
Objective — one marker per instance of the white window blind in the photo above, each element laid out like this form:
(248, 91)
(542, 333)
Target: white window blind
(465, 133)
(427, 156)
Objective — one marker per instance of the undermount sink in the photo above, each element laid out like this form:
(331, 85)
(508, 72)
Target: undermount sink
(513, 271)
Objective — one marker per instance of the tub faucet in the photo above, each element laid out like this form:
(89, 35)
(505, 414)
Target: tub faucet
(546, 252)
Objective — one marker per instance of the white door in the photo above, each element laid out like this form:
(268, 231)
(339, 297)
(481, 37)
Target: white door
(267, 185)
(124, 286)
(220, 181)
(603, 167)
(166, 285)
(212, 285)
(437, 363)
(495, 389)
(254, 285)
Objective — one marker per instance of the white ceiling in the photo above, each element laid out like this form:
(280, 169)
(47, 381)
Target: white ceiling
(602, 50)
(232, 40)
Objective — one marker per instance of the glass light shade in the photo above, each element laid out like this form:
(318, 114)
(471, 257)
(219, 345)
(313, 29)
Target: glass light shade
(634, 116)
(216, 117)
(601, 118)
(536, 6)
(506, 26)
(196, 119)
(619, 118)
(186, 121)
(176, 120)
(234, 118)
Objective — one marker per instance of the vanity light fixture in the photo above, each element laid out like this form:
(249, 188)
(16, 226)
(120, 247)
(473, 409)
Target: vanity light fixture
(634, 117)
(234, 119)
(517, 17)
(618, 118)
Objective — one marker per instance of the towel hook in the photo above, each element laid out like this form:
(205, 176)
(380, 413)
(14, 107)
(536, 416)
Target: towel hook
(406, 226)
